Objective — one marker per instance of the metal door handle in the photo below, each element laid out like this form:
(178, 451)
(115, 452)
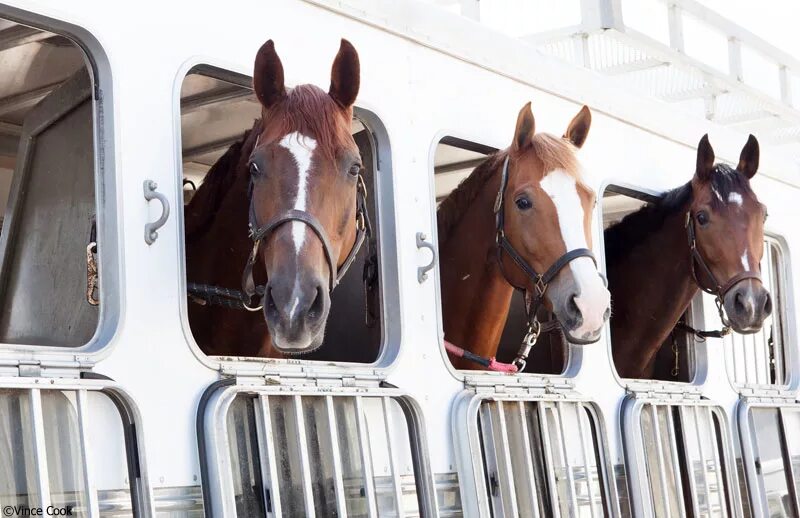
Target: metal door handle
(422, 271)
(150, 193)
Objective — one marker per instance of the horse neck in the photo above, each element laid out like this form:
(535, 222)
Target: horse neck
(475, 294)
(650, 289)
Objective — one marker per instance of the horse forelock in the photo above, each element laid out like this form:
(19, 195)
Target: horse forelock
(310, 111)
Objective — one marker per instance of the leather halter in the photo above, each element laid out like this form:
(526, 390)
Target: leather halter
(719, 290)
(540, 280)
(258, 233)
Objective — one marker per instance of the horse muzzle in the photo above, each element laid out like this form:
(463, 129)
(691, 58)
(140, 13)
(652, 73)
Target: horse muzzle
(296, 312)
(747, 305)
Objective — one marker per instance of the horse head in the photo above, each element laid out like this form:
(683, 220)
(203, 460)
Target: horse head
(547, 216)
(725, 224)
(304, 189)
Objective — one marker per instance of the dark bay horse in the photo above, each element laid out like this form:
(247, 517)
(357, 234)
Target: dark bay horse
(523, 210)
(279, 215)
(709, 234)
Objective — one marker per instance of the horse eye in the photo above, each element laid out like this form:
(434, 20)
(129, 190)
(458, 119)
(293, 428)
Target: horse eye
(523, 203)
(355, 170)
(254, 169)
(702, 218)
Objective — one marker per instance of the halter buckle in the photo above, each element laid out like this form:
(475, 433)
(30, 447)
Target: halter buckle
(361, 224)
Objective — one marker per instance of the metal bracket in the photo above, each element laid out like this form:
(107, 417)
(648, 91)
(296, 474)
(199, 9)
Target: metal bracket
(422, 271)
(150, 193)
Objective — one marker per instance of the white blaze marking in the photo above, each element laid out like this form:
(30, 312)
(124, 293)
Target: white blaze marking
(594, 298)
(301, 148)
(745, 261)
(735, 198)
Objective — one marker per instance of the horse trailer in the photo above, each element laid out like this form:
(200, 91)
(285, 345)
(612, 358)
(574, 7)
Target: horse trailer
(117, 399)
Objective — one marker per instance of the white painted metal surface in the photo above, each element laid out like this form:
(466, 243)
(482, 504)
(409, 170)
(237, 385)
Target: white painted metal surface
(421, 83)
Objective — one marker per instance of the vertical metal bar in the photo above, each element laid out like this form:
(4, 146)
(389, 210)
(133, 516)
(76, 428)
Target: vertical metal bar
(744, 357)
(794, 489)
(510, 506)
(305, 465)
(689, 461)
(528, 454)
(662, 470)
(785, 84)
(735, 59)
(673, 446)
(548, 456)
(580, 414)
(39, 449)
(338, 475)
(269, 465)
(702, 458)
(398, 486)
(675, 23)
(366, 458)
(86, 454)
(573, 499)
(723, 497)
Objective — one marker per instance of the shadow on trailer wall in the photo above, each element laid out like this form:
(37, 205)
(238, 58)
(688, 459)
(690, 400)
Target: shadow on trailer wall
(47, 191)
(217, 109)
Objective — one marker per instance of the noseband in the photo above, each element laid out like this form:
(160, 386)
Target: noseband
(719, 290)
(259, 233)
(533, 301)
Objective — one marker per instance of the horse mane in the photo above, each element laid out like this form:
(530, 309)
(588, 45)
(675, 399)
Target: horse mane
(311, 111)
(625, 235)
(205, 203)
(554, 153)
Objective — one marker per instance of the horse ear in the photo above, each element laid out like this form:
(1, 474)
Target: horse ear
(578, 128)
(345, 75)
(748, 160)
(268, 76)
(526, 125)
(705, 159)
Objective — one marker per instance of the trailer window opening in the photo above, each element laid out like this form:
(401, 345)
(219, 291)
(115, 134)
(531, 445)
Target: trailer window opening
(332, 454)
(49, 244)
(75, 437)
(454, 161)
(675, 359)
(541, 458)
(218, 108)
(761, 358)
(775, 464)
(685, 460)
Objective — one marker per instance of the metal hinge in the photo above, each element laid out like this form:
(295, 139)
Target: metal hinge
(30, 369)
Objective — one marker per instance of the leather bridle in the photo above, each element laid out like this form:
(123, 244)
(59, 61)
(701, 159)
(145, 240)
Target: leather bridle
(719, 290)
(540, 280)
(259, 233)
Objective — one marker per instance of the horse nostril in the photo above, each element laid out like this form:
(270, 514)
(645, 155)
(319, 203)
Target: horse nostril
(572, 307)
(317, 305)
(738, 303)
(767, 305)
(607, 314)
(270, 301)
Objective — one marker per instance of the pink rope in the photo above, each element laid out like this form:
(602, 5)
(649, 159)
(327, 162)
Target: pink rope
(491, 364)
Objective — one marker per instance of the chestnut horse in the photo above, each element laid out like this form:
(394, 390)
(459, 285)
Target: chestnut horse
(523, 210)
(295, 183)
(707, 234)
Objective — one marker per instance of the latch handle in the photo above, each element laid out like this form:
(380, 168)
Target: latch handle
(422, 271)
(150, 193)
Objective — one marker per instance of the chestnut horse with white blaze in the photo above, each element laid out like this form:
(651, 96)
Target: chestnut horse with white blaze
(707, 234)
(295, 183)
(522, 219)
